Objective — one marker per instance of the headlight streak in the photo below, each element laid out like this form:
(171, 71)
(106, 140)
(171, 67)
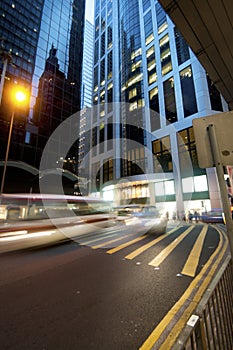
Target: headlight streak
(27, 236)
(14, 233)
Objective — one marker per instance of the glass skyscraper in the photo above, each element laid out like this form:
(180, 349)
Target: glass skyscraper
(45, 39)
(142, 62)
(87, 77)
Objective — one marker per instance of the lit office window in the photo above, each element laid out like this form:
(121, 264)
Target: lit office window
(154, 99)
(161, 18)
(169, 187)
(195, 184)
(151, 65)
(148, 27)
(188, 185)
(149, 38)
(132, 93)
(165, 55)
(200, 183)
(133, 106)
(159, 189)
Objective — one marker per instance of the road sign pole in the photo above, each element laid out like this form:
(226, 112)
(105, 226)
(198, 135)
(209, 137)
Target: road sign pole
(222, 184)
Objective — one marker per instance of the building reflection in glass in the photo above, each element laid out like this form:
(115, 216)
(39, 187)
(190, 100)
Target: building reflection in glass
(46, 42)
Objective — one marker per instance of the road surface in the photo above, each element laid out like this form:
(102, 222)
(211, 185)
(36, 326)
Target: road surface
(110, 291)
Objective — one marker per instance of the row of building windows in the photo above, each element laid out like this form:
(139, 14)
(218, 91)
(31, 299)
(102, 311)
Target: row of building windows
(186, 150)
(188, 96)
(192, 181)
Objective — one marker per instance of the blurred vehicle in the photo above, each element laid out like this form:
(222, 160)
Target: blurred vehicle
(31, 211)
(214, 216)
(35, 206)
(32, 220)
(153, 219)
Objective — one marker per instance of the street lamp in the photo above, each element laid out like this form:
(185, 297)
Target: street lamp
(19, 96)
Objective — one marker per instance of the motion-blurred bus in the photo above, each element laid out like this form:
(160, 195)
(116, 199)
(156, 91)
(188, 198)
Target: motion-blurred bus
(43, 206)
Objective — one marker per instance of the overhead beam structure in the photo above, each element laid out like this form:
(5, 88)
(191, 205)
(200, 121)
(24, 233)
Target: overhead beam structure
(207, 27)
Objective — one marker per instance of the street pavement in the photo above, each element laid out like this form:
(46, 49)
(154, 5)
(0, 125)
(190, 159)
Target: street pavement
(107, 291)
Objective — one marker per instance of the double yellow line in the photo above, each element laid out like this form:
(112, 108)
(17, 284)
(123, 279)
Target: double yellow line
(197, 284)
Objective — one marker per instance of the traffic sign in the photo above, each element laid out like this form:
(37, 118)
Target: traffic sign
(223, 125)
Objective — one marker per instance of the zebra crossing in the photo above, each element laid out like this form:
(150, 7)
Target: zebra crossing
(116, 243)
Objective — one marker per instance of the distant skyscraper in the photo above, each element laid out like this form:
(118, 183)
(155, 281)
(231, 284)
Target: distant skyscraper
(87, 72)
(86, 102)
(45, 38)
(142, 61)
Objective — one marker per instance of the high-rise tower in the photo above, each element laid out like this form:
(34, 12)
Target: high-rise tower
(143, 149)
(87, 77)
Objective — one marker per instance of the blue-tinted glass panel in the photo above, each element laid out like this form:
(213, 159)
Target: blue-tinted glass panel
(145, 4)
(181, 47)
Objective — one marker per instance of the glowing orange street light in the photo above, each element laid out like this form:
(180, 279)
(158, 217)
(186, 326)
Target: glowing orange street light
(19, 97)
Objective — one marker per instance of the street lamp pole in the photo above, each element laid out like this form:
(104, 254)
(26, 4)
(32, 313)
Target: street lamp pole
(7, 152)
(19, 96)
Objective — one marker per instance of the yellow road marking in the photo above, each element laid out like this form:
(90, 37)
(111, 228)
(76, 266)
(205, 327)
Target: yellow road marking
(109, 242)
(93, 240)
(148, 245)
(193, 259)
(155, 335)
(124, 245)
(166, 251)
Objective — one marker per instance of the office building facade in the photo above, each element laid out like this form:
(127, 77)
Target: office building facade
(45, 40)
(143, 145)
(86, 103)
(87, 76)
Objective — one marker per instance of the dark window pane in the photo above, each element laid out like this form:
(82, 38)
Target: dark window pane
(215, 98)
(145, 4)
(181, 47)
(188, 92)
(170, 102)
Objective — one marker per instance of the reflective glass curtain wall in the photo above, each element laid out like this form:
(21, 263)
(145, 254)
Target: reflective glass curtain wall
(19, 33)
(47, 46)
(132, 92)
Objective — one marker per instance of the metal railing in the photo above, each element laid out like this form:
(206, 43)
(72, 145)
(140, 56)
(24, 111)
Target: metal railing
(211, 328)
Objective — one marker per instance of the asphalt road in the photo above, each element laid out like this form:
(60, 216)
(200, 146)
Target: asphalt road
(97, 293)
